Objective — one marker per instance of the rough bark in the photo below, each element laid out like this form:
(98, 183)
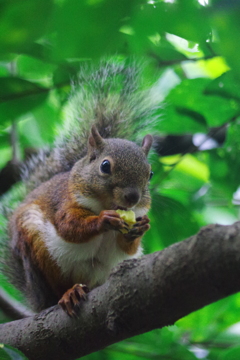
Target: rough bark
(140, 295)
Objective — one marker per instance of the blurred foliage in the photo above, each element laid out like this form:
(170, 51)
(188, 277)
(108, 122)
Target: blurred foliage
(9, 353)
(191, 55)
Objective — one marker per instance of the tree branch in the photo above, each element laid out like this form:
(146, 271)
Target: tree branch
(140, 295)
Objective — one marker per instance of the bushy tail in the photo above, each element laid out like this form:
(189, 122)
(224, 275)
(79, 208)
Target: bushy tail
(109, 97)
(9, 271)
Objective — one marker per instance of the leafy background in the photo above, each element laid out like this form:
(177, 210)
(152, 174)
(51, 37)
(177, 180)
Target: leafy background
(191, 54)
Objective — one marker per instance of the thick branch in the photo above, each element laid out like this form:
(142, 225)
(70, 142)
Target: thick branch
(140, 295)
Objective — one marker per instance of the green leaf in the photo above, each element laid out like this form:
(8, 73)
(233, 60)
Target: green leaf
(231, 156)
(168, 55)
(178, 18)
(191, 114)
(89, 29)
(167, 216)
(18, 96)
(4, 71)
(226, 86)
(6, 153)
(157, 344)
(23, 22)
(9, 353)
(177, 120)
(224, 167)
(39, 128)
(65, 72)
(145, 34)
(3, 354)
(189, 97)
(38, 51)
(4, 139)
(230, 354)
(189, 165)
(31, 68)
(224, 18)
(212, 320)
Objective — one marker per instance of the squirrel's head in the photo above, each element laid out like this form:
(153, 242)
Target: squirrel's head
(114, 174)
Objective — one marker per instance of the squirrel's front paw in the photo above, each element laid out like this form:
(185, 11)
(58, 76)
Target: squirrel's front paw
(138, 229)
(111, 220)
(71, 299)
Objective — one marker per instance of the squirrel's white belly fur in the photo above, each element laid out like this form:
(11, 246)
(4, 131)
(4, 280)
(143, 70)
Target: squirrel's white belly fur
(93, 260)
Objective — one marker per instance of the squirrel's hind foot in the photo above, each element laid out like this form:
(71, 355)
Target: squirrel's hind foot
(72, 298)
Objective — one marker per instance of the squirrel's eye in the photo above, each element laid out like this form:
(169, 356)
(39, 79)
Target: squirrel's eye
(105, 167)
(151, 175)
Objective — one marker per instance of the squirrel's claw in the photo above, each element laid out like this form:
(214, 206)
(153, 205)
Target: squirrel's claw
(72, 298)
(142, 220)
(138, 229)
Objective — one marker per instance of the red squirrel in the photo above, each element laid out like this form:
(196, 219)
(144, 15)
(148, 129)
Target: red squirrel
(66, 235)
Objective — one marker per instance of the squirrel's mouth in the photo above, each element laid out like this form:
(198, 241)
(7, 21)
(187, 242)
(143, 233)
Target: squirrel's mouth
(117, 207)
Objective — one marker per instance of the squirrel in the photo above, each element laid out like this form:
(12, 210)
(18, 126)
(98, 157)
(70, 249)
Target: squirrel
(66, 236)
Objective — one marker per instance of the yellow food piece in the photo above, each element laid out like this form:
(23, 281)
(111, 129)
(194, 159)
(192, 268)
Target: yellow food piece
(127, 216)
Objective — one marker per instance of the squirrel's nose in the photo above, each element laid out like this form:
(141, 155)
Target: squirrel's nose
(131, 197)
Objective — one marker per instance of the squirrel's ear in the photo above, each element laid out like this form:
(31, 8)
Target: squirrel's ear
(147, 143)
(95, 140)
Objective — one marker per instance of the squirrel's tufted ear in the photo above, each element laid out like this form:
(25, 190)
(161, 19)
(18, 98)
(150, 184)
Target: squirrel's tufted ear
(95, 140)
(147, 143)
